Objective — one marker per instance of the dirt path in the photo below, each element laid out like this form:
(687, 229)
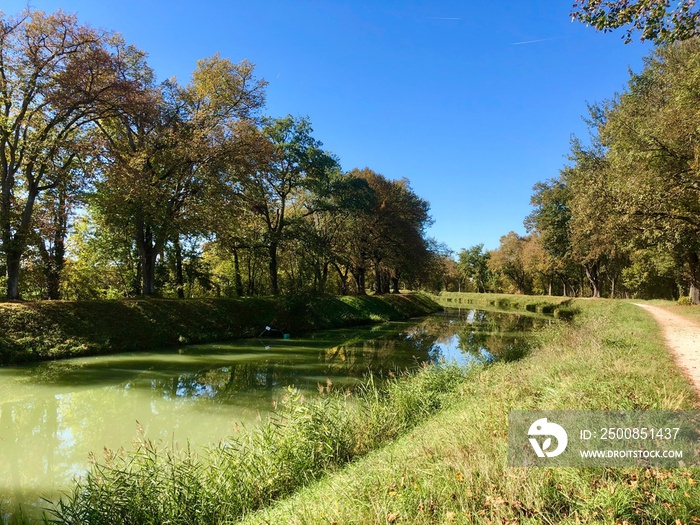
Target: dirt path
(683, 338)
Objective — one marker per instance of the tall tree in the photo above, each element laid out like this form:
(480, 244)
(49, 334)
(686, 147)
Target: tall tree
(161, 153)
(56, 77)
(650, 132)
(509, 261)
(296, 167)
(551, 221)
(473, 265)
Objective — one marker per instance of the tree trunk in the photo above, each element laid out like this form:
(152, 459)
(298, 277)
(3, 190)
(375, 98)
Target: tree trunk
(694, 293)
(58, 257)
(323, 278)
(343, 279)
(612, 287)
(359, 276)
(148, 266)
(237, 273)
(251, 283)
(395, 283)
(378, 288)
(148, 249)
(53, 261)
(179, 276)
(273, 269)
(12, 264)
(593, 278)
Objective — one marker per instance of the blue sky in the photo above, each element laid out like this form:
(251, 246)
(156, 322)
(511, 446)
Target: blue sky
(473, 102)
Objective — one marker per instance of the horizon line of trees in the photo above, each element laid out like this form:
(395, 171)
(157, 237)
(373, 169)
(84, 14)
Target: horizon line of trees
(113, 184)
(622, 219)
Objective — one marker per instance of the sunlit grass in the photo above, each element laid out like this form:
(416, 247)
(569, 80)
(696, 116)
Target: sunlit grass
(452, 469)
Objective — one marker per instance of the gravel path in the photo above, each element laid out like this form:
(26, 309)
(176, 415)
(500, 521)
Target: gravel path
(683, 338)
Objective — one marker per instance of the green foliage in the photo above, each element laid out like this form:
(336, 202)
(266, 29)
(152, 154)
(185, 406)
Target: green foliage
(473, 265)
(160, 165)
(58, 77)
(452, 468)
(508, 262)
(656, 20)
(625, 212)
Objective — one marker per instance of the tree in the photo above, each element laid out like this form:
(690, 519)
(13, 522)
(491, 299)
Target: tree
(161, 153)
(508, 261)
(655, 20)
(296, 169)
(391, 234)
(56, 77)
(551, 221)
(473, 265)
(650, 132)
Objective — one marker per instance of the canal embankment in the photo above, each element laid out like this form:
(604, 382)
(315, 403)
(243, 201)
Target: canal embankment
(429, 448)
(453, 468)
(33, 331)
(560, 307)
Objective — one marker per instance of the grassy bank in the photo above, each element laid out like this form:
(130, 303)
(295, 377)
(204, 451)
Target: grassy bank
(53, 329)
(453, 469)
(428, 449)
(559, 306)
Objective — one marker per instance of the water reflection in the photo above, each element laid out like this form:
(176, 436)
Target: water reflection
(53, 414)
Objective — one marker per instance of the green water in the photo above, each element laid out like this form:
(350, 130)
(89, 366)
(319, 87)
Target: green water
(54, 415)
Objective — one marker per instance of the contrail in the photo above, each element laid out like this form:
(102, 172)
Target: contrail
(444, 18)
(532, 41)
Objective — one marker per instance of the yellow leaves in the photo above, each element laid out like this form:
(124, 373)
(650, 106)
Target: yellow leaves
(392, 517)
(459, 476)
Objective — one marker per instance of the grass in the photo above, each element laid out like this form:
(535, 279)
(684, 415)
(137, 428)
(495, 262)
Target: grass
(452, 469)
(31, 331)
(305, 441)
(425, 449)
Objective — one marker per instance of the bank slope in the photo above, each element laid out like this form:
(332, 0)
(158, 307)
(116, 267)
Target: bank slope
(31, 331)
(453, 469)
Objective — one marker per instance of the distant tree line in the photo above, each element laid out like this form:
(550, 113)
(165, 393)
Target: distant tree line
(116, 185)
(622, 219)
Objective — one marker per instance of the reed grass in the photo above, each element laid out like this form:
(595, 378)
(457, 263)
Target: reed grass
(304, 441)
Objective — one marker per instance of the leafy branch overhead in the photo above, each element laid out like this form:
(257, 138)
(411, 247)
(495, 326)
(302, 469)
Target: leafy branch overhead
(656, 20)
